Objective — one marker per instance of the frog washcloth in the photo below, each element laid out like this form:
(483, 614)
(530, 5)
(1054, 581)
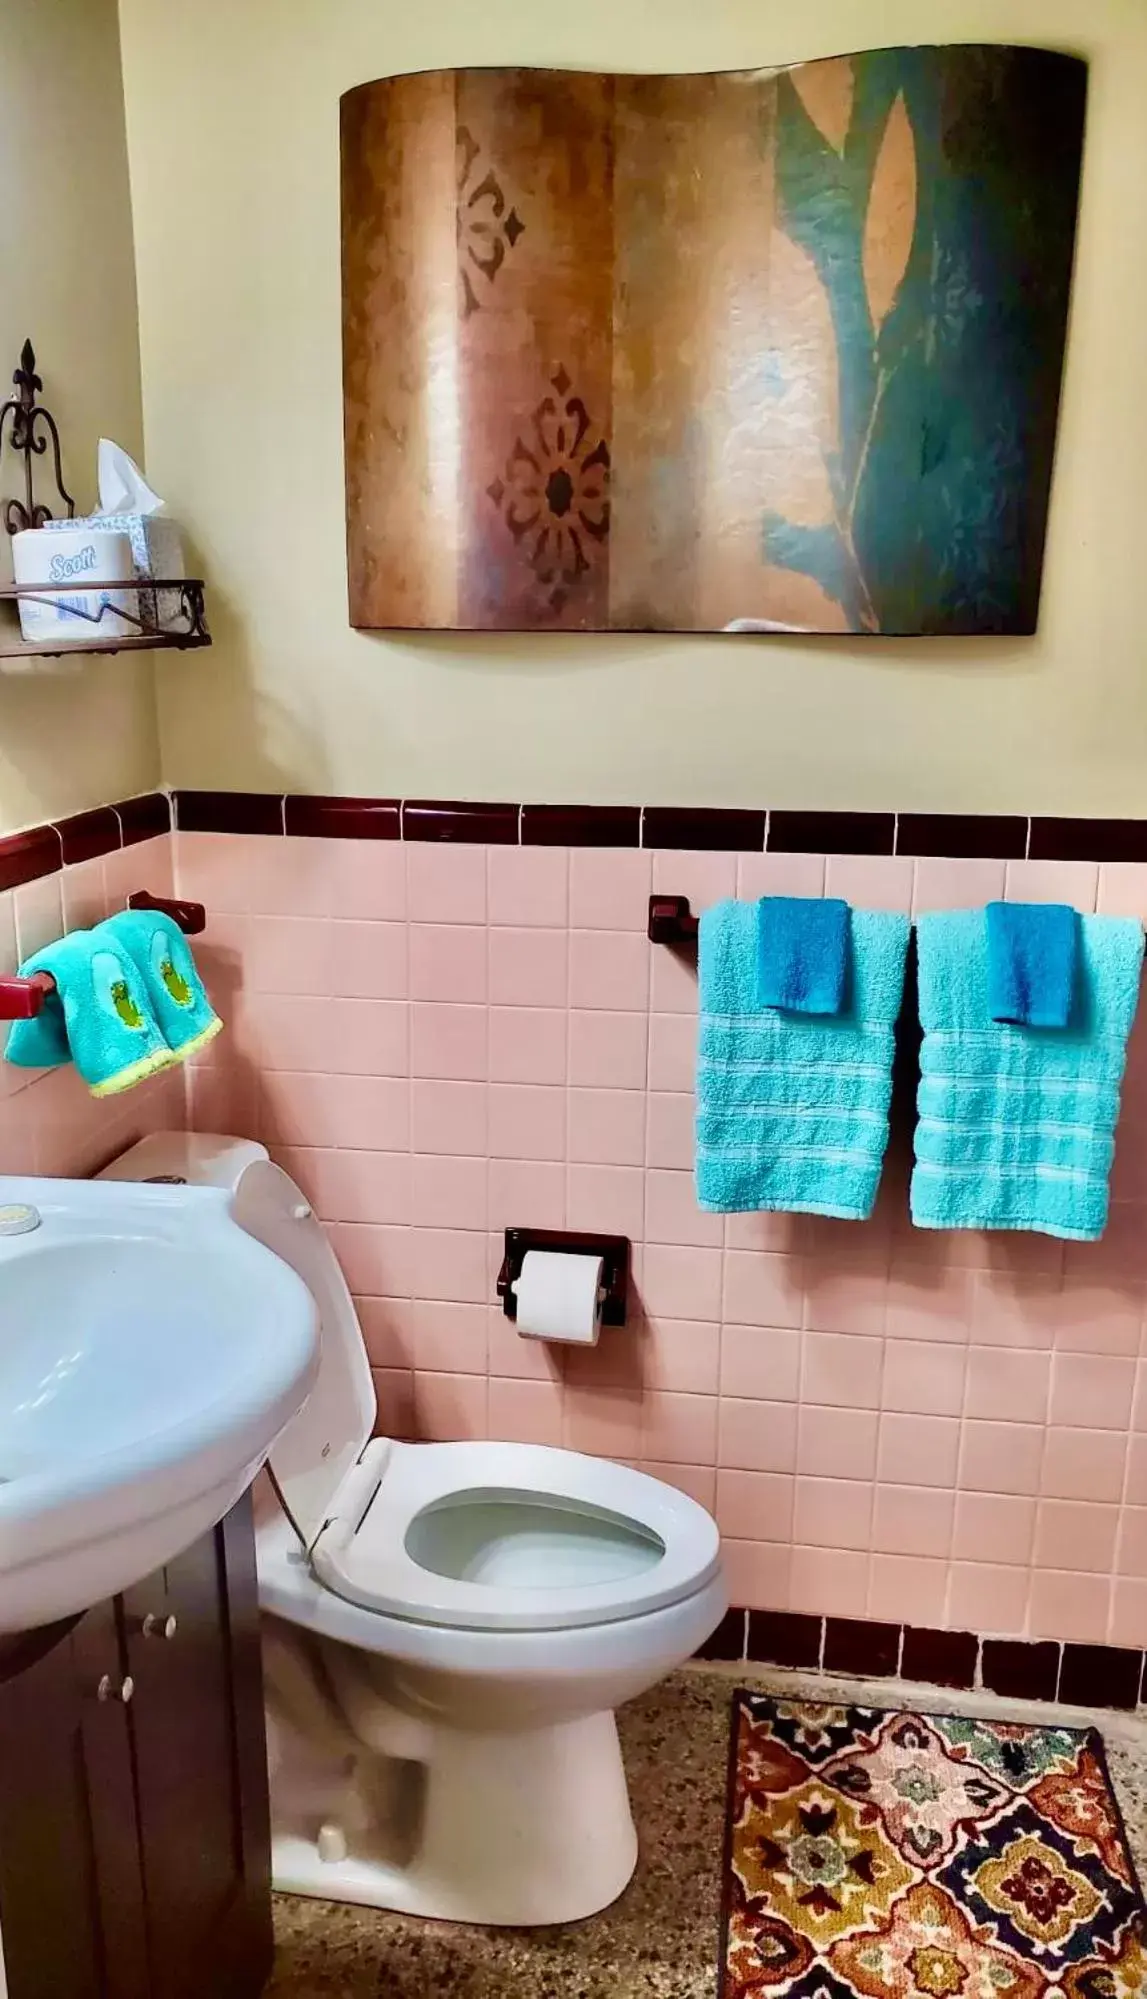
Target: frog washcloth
(162, 956)
(98, 1017)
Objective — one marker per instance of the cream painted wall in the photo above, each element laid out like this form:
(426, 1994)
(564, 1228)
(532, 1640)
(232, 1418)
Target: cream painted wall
(72, 738)
(233, 140)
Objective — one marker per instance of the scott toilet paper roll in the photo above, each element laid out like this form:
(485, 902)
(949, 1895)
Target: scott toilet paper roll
(558, 1297)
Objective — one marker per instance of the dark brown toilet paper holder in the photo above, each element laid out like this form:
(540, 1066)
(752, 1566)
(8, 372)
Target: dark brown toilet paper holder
(612, 1249)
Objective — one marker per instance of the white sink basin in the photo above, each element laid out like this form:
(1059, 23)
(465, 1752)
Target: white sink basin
(150, 1353)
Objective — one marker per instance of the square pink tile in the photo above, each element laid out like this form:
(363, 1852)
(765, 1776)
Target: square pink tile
(1092, 1391)
(680, 1429)
(871, 881)
(607, 1127)
(699, 1482)
(683, 1356)
(448, 1193)
(828, 1582)
(528, 967)
(449, 1117)
(669, 1132)
(1084, 1464)
(1071, 1534)
(754, 1506)
(345, 1037)
(363, 879)
(837, 1443)
(760, 1362)
(1132, 1559)
(993, 1528)
(762, 1289)
(448, 1043)
(609, 1050)
(609, 970)
(783, 1235)
(757, 1573)
(527, 1121)
(841, 1370)
(359, 1113)
(447, 962)
(605, 1422)
(39, 915)
(1015, 1310)
(933, 1305)
(526, 1193)
(756, 1436)
(965, 884)
(448, 1337)
(779, 874)
(610, 1199)
(1067, 1605)
(988, 1597)
(1135, 1489)
(922, 1379)
(912, 1520)
(352, 1186)
(449, 1265)
(832, 1513)
(445, 884)
(704, 877)
(1075, 882)
(85, 896)
(1001, 1457)
(907, 1589)
(526, 1412)
(842, 1297)
(1128, 1613)
(1123, 891)
(376, 1261)
(527, 1045)
(394, 1390)
(386, 1331)
(672, 1214)
(682, 1283)
(514, 1358)
(369, 961)
(610, 888)
(449, 1408)
(673, 984)
(1008, 1385)
(672, 1051)
(528, 885)
(918, 1450)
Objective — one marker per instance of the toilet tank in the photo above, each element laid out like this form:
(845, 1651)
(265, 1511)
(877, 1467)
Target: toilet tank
(312, 1456)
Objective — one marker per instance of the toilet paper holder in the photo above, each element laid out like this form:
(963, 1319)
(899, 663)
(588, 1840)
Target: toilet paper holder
(612, 1249)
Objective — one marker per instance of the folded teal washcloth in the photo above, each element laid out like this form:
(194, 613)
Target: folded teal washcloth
(792, 1110)
(160, 951)
(99, 1016)
(803, 953)
(1031, 962)
(1016, 1125)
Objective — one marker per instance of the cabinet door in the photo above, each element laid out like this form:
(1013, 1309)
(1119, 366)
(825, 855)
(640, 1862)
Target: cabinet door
(198, 1730)
(71, 1893)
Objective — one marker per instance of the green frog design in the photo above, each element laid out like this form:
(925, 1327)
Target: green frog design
(124, 1004)
(176, 984)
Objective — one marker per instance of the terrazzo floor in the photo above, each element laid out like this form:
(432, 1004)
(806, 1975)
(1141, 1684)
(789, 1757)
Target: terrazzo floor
(659, 1941)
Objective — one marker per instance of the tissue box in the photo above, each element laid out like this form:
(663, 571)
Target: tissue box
(157, 550)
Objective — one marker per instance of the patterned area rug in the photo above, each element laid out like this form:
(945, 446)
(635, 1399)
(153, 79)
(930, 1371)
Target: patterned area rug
(878, 1854)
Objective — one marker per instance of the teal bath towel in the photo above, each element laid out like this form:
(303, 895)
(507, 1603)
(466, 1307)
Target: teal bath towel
(162, 955)
(1017, 1124)
(803, 953)
(99, 1016)
(792, 1109)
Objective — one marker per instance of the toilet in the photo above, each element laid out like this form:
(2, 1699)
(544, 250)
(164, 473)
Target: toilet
(448, 1627)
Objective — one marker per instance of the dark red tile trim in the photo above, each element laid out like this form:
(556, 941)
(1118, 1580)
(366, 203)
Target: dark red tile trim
(581, 825)
(728, 1640)
(228, 811)
(87, 835)
(433, 819)
(1088, 840)
(342, 818)
(1100, 1676)
(962, 836)
(785, 1638)
(832, 832)
(1021, 1670)
(942, 1658)
(854, 1645)
(24, 857)
(702, 828)
(144, 818)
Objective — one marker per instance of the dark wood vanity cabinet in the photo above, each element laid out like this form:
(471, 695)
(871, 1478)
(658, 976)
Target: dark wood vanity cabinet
(134, 1833)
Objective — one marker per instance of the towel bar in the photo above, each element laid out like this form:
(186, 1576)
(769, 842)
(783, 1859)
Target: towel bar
(671, 921)
(21, 999)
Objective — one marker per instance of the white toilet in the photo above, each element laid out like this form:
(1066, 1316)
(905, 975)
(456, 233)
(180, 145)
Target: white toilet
(451, 1626)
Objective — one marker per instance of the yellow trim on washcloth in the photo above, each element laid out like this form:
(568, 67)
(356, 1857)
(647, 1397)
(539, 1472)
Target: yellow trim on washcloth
(136, 1072)
(198, 1041)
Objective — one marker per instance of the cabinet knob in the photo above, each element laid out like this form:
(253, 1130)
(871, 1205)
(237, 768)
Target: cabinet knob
(109, 1691)
(159, 1627)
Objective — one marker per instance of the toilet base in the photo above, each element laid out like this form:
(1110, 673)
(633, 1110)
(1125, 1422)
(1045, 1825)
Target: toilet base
(498, 1828)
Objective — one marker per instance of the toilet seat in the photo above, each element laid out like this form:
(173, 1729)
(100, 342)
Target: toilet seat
(596, 1542)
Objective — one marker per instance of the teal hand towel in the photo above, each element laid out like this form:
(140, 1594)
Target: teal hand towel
(162, 955)
(792, 1109)
(1031, 962)
(803, 953)
(98, 1017)
(1017, 1125)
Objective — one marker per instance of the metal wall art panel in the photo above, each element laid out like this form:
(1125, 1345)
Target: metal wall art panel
(768, 350)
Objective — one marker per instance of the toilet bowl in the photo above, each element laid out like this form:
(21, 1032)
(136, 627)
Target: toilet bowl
(448, 1627)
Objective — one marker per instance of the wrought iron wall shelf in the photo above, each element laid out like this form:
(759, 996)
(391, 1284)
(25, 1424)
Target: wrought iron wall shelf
(30, 428)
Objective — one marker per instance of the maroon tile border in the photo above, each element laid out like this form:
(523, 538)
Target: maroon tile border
(228, 811)
(703, 828)
(437, 819)
(581, 825)
(342, 818)
(962, 837)
(1088, 840)
(24, 857)
(144, 818)
(87, 835)
(832, 832)
(1089, 1676)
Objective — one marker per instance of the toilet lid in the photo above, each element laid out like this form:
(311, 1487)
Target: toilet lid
(512, 1537)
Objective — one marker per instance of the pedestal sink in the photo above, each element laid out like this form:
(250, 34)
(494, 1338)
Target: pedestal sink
(150, 1353)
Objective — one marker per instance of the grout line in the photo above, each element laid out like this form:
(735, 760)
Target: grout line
(895, 833)
(1028, 840)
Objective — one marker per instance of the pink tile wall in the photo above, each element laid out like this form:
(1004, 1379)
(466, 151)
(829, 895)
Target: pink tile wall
(441, 1040)
(49, 1123)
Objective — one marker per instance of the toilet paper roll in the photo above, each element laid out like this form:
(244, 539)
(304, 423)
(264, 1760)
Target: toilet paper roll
(557, 1294)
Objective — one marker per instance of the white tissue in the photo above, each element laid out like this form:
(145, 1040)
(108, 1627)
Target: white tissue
(123, 488)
